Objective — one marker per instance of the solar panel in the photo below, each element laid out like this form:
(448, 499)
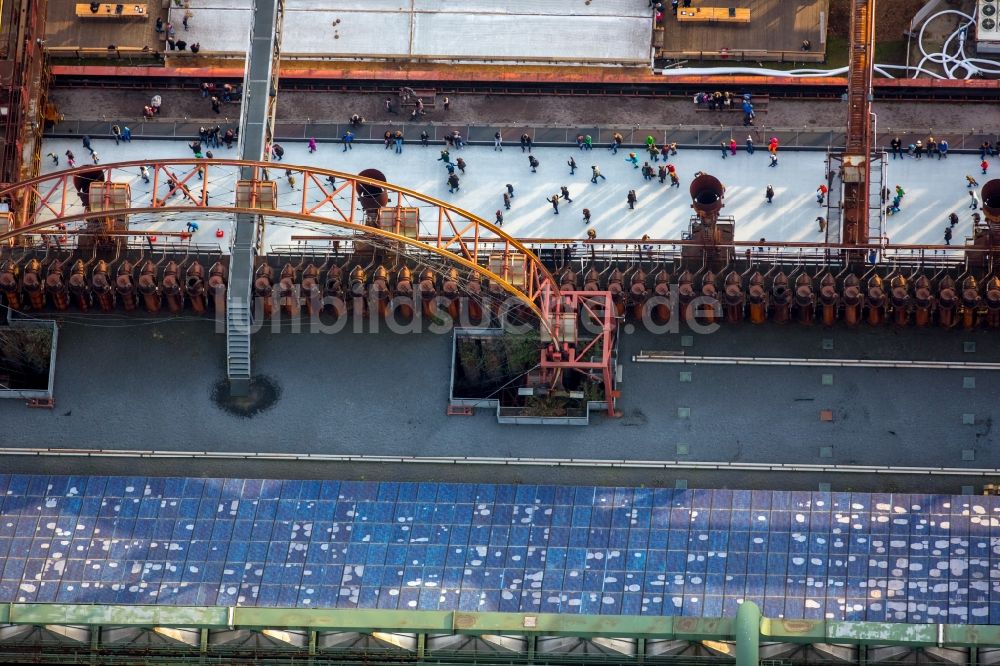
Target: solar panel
(428, 546)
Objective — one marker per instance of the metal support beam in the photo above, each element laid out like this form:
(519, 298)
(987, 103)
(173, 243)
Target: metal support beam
(748, 634)
(260, 89)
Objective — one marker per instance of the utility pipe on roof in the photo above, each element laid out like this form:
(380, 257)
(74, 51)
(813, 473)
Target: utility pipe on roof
(748, 634)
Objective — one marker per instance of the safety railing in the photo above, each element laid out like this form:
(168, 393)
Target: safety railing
(705, 135)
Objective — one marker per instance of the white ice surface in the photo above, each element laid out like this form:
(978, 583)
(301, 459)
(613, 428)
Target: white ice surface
(933, 189)
(615, 30)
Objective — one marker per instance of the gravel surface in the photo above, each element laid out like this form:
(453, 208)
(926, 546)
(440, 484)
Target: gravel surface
(126, 106)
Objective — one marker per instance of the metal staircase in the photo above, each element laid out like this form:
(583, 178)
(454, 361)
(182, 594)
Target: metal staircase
(239, 323)
(260, 85)
(877, 179)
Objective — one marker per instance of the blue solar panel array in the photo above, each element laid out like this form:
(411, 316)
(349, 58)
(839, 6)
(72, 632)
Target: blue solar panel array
(436, 546)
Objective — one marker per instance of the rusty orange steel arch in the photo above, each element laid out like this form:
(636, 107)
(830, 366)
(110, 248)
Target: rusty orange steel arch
(42, 202)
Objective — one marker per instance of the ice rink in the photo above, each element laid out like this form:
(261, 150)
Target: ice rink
(934, 189)
(610, 31)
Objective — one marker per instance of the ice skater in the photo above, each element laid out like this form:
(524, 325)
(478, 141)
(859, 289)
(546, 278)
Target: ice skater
(554, 200)
(506, 201)
(631, 199)
(571, 163)
(633, 160)
(821, 194)
(586, 216)
(974, 204)
(769, 194)
(533, 163)
(452, 183)
(499, 218)
(595, 173)
(565, 194)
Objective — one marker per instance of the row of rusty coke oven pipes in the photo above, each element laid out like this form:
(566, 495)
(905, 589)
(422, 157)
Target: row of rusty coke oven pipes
(61, 281)
(727, 288)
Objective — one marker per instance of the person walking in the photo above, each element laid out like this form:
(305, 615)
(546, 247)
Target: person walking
(896, 147)
(452, 183)
(769, 194)
(631, 199)
(506, 201)
(70, 159)
(554, 200)
(722, 146)
(749, 145)
(974, 204)
(348, 139)
(499, 218)
(312, 145)
(971, 182)
(821, 194)
(533, 163)
(565, 194)
(595, 173)
(572, 165)
(460, 163)
(497, 141)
